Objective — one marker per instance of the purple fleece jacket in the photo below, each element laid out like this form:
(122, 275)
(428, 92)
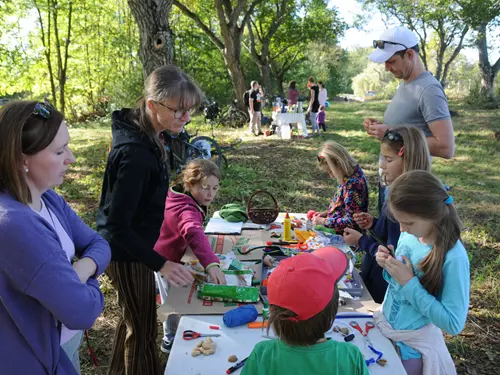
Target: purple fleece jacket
(182, 227)
(39, 288)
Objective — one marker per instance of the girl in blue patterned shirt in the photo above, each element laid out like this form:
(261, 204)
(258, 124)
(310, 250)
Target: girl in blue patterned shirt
(351, 195)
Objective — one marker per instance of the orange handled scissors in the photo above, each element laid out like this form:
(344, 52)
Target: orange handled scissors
(368, 326)
(191, 335)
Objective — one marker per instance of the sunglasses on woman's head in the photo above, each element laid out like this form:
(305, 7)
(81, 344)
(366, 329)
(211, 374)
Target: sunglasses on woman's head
(44, 110)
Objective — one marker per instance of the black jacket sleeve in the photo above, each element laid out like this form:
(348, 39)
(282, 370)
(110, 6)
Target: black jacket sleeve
(132, 179)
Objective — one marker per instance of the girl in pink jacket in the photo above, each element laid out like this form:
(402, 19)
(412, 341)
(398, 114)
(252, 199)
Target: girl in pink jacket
(185, 210)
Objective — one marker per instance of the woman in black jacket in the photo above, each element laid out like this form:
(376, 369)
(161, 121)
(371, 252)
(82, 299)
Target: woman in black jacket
(131, 213)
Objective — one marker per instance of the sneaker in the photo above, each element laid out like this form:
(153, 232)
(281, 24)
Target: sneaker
(260, 133)
(166, 346)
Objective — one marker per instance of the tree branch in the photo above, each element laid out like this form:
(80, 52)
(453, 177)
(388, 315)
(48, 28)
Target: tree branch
(228, 9)
(249, 11)
(200, 23)
(496, 67)
(66, 55)
(259, 36)
(253, 49)
(455, 54)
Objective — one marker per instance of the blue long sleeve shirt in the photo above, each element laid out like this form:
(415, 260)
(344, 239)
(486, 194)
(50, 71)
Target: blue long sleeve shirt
(39, 288)
(411, 307)
(388, 231)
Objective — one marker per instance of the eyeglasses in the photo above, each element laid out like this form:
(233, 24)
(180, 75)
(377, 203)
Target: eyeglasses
(381, 44)
(43, 110)
(321, 159)
(392, 135)
(178, 113)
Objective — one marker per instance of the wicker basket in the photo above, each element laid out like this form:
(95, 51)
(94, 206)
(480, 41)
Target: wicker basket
(262, 215)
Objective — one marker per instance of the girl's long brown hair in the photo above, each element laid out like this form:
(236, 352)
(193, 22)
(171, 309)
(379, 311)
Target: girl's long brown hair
(421, 194)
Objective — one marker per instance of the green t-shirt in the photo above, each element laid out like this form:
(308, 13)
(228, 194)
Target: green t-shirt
(274, 357)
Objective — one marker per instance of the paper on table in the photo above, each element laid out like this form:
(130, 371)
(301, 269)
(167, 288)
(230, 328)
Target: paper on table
(221, 226)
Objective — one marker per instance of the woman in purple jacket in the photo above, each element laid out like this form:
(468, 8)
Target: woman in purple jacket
(45, 300)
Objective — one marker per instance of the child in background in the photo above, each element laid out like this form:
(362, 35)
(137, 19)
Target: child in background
(185, 210)
(322, 118)
(429, 287)
(402, 149)
(303, 301)
(352, 191)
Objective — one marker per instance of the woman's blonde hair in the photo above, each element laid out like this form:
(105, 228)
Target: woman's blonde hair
(336, 155)
(409, 143)
(164, 83)
(197, 171)
(421, 194)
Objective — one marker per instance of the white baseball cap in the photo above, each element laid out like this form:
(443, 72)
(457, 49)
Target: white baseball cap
(396, 39)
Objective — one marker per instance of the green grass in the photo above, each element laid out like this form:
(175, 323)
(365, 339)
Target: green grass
(288, 170)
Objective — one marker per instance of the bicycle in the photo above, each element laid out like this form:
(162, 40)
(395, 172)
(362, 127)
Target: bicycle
(229, 116)
(181, 149)
(233, 116)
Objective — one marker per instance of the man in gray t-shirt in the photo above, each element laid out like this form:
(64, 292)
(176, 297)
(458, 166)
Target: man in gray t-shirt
(419, 101)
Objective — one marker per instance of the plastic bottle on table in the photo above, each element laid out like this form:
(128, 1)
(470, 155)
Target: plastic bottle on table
(309, 224)
(287, 228)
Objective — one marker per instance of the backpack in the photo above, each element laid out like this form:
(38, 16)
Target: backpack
(246, 98)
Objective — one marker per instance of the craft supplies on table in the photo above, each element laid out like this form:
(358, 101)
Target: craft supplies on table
(248, 248)
(221, 226)
(240, 341)
(352, 284)
(192, 335)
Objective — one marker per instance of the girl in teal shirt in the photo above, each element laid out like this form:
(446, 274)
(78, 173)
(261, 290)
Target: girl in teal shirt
(429, 280)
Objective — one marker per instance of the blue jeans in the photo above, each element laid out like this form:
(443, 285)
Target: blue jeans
(314, 123)
(71, 349)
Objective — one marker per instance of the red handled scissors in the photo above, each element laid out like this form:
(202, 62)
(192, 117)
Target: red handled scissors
(368, 326)
(192, 335)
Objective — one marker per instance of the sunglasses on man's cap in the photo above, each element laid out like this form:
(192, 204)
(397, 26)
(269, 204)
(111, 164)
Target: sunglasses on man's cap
(381, 44)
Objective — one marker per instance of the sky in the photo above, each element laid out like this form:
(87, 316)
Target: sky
(348, 10)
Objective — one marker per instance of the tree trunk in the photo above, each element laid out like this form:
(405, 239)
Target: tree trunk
(46, 42)
(228, 16)
(231, 54)
(280, 80)
(488, 72)
(265, 76)
(154, 31)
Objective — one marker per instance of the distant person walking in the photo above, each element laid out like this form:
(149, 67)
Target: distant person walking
(255, 107)
(313, 104)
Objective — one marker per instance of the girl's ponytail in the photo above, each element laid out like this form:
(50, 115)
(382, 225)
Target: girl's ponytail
(448, 233)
